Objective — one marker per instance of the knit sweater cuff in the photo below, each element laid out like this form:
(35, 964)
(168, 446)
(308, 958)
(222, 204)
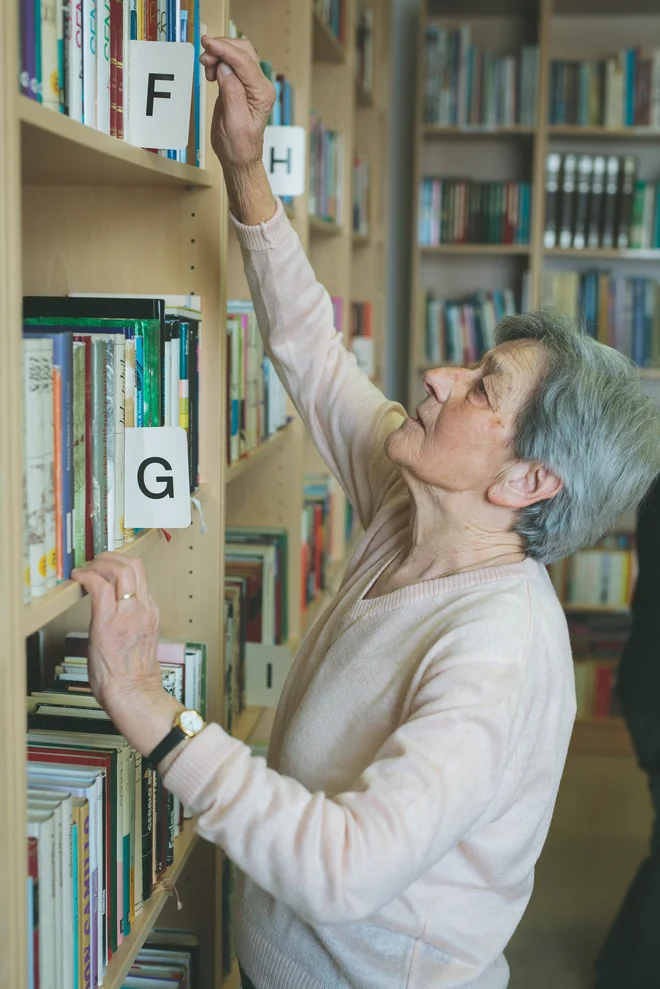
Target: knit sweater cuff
(200, 759)
(263, 236)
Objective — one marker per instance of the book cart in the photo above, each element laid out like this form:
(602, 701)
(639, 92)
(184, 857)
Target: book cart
(84, 212)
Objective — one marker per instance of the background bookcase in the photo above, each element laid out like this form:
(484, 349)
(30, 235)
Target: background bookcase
(562, 29)
(80, 211)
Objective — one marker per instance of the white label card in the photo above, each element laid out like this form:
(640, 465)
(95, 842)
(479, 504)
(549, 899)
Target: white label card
(284, 160)
(157, 483)
(159, 93)
(266, 669)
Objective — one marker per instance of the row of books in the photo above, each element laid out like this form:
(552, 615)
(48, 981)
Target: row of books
(170, 959)
(316, 535)
(460, 331)
(597, 201)
(620, 91)
(75, 58)
(594, 683)
(101, 827)
(460, 211)
(364, 48)
(360, 195)
(362, 336)
(597, 635)
(622, 312)
(92, 367)
(602, 578)
(256, 400)
(282, 114)
(333, 15)
(464, 85)
(326, 171)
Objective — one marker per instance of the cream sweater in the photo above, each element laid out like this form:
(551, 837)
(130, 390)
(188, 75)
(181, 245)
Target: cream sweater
(390, 841)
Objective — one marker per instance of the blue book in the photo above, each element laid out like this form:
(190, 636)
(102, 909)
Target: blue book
(638, 321)
(288, 102)
(277, 108)
(656, 237)
(631, 71)
(63, 359)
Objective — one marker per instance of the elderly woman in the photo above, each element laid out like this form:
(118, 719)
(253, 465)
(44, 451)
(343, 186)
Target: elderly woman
(390, 841)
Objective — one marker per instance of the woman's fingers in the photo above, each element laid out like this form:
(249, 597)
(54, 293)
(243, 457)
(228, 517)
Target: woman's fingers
(124, 574)
(238, 55)
(101, 591)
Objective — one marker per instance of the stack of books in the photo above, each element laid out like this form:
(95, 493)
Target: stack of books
(76, 59)
(101, 826)
(282, 112)
(360, 195)
(316, 535)
(620, 91)
(170, 959)
(596, 201)
(326, 172)
(464, 85)
(460, 211)
(461, 331)
(597, 635)
(364, 49)
(620, 311)
(594, 682)
(332, 14)
(92, 367)
(600, 578)
(256, 400)
(362, 336)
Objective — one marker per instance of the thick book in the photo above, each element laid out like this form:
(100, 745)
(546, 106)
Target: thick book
(552, 169)
(596, 201)
(629, 165)
(567, 200)
(584, 173)
(610, 201)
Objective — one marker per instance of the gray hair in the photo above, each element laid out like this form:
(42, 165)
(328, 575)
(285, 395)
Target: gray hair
(591, 424)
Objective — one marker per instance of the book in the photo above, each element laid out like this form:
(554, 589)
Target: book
(326, 171)
(459, 331)
(614, 92)
(460, 211)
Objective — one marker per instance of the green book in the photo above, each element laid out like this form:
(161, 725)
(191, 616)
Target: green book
(79, 454)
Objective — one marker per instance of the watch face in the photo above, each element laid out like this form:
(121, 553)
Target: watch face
(191, 722)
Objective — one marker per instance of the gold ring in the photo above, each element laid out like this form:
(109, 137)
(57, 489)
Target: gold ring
(127, 597)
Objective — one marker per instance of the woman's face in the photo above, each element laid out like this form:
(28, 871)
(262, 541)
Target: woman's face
(462, 436)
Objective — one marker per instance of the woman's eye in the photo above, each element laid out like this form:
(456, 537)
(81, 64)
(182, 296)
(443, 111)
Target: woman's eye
(480, 389)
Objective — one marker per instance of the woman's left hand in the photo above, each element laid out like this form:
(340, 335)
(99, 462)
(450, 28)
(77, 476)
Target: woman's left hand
(124, 673)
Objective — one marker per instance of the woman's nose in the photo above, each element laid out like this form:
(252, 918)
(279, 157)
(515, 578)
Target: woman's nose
(441, 381)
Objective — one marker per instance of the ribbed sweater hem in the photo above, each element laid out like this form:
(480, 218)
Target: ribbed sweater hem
(267, 967)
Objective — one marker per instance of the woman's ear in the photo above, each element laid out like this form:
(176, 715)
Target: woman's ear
(524, 484)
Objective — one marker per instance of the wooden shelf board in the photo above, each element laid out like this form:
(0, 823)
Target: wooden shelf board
(601, 609)
(257, 455)
(330, 228)
(503, 249)
(576, 130)
(326, 46)
(476, 130)
(605, 253)
(125, 955)
(361, 240)
(233, 980)
(56, 150)
(363, 97)
(650, 372)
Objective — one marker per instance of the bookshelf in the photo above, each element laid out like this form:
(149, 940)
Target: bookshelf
(582, 30)
(85, 212)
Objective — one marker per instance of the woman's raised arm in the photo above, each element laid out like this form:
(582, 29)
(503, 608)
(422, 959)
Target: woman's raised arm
(346, 415)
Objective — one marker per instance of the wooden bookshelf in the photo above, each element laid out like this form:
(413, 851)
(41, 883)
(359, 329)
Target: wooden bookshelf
(561, 30)
(601, 736)
(84, 212)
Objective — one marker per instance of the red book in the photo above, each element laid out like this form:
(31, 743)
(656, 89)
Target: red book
(303, 576)
(604, 677)
(33, 872)
(151, 21)
(117, 68)
(252, 572)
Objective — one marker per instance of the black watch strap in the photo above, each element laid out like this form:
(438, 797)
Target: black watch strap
(171, 740)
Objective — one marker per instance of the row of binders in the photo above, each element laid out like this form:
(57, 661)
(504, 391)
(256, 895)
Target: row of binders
(620, 91)
(467, 86)
(326, 172)
(76, 59)
(597, 201)
(603, 577)
(101, 826)
(460, 211)
(461, 331)
(256, 400)
(620, 311)
(93, 367)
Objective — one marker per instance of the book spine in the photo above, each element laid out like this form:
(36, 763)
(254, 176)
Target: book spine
(57, 472)
(147, 831)
(86, 961)
(610, 199)
(553, 163)
(119, 361)
(33, 872)
(79, 454)
(74, 45)
(99, 477)
(90, 41)
(48, 425)
(50, 55)
(103, 95)
(109, 440)
(64, 359)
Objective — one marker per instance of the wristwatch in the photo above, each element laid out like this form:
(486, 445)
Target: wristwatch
(186, 724)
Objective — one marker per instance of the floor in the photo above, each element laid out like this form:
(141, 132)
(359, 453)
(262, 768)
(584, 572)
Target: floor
(598, 837)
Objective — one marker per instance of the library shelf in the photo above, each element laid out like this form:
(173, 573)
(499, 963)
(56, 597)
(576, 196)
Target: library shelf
(257, 455)
(608, 133)
(326, 46)
(501, 249)
(597, 609)
(606, 736)
(361, 240)
(328, 228)
(59, 599)
(605, 253)
(56, 150)
(364, 97)
(431, 131)
(126, 953)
